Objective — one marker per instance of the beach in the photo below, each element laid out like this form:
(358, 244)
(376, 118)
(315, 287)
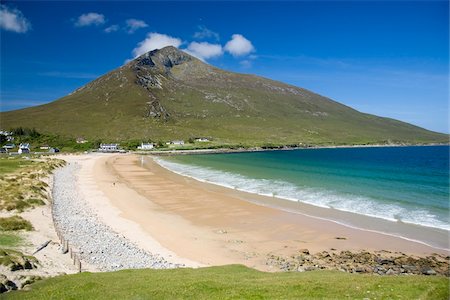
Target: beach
(199, 224)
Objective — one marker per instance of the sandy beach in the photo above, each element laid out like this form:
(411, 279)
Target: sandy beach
(200, 224)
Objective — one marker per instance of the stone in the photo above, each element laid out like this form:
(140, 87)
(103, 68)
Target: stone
(304, 251)
(14, 267)
(28, 265)
(84, 229)
(428, 271)
(390, 272)
(385, 261)
(10, 285)
(409, 268)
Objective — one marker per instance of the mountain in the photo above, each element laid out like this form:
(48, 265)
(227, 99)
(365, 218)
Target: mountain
(167, 94)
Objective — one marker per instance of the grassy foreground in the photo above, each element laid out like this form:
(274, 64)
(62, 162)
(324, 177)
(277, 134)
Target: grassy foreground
(234, 282)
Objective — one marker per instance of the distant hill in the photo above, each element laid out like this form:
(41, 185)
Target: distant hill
(167, 94)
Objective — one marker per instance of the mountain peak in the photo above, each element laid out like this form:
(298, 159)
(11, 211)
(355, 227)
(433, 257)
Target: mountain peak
(167, 94)
(165, 58)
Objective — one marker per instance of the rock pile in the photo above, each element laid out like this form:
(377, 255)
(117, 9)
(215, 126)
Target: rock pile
(95, 242)
(16, 283)
(379, 262)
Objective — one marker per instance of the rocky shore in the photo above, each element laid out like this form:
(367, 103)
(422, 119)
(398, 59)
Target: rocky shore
(96, 243)
(378, 262)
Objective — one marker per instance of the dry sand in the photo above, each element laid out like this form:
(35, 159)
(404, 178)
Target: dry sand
(52, 261)
(198, 224)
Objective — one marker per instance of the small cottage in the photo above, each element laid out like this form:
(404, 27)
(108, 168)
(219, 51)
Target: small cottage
(202, 140)
(108, 147)
(146, 146)
(24, 148)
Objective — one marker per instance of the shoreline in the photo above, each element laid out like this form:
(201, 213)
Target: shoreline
(170, 152)
(345, 218)
(213, 225)
(103, 239)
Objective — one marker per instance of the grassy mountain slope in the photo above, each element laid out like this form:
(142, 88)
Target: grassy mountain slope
(167, 94)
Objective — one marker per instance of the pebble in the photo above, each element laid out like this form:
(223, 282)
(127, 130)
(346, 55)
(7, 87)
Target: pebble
(95, 242)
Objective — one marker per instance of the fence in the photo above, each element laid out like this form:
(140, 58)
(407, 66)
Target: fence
(65, 245)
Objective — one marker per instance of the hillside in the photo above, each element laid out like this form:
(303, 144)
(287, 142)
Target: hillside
(167, 94)
(234, 282)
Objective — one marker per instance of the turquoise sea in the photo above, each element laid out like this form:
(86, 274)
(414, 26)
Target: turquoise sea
(407, 184)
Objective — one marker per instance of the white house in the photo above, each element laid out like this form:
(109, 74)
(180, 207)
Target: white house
(24, 148)
(146, 146)
(108, 147)
(9, 136)
(202, 140)
(177, 142)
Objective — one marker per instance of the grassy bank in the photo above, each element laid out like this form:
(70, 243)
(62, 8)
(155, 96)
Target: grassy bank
(21, 182)
(234, 282)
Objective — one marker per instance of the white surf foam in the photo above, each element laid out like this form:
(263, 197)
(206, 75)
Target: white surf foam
(313, 196)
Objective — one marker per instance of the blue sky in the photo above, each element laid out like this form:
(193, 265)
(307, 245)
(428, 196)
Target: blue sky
(388, 58)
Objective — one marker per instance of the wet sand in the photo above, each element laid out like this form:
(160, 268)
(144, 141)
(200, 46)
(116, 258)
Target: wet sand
(212, 225)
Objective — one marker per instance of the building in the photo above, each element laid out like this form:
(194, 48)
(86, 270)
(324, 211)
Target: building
(9, 146)
(146, 146)
(44, 147)
(24, 148)
(177, 142)
(9, 135)
(108, 147)
(202, 140)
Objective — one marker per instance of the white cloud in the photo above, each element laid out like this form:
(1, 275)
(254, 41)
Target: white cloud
(204, 50)
(205, 33)
(12, 19)
(239, 45)
(134, 24)
(90, 19)
(154, 41)
(112, 28)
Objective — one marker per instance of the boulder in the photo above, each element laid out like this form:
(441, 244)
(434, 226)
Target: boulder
(304, 251)
(390, 272)
(428, 271)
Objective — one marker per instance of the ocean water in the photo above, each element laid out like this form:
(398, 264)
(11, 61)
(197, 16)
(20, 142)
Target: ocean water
(407, 184)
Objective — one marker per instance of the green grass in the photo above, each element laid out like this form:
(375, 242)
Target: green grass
(22, 186)
(16, 259)
(234, 282)
(15, 223)
(10, 240)
(10, 165)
